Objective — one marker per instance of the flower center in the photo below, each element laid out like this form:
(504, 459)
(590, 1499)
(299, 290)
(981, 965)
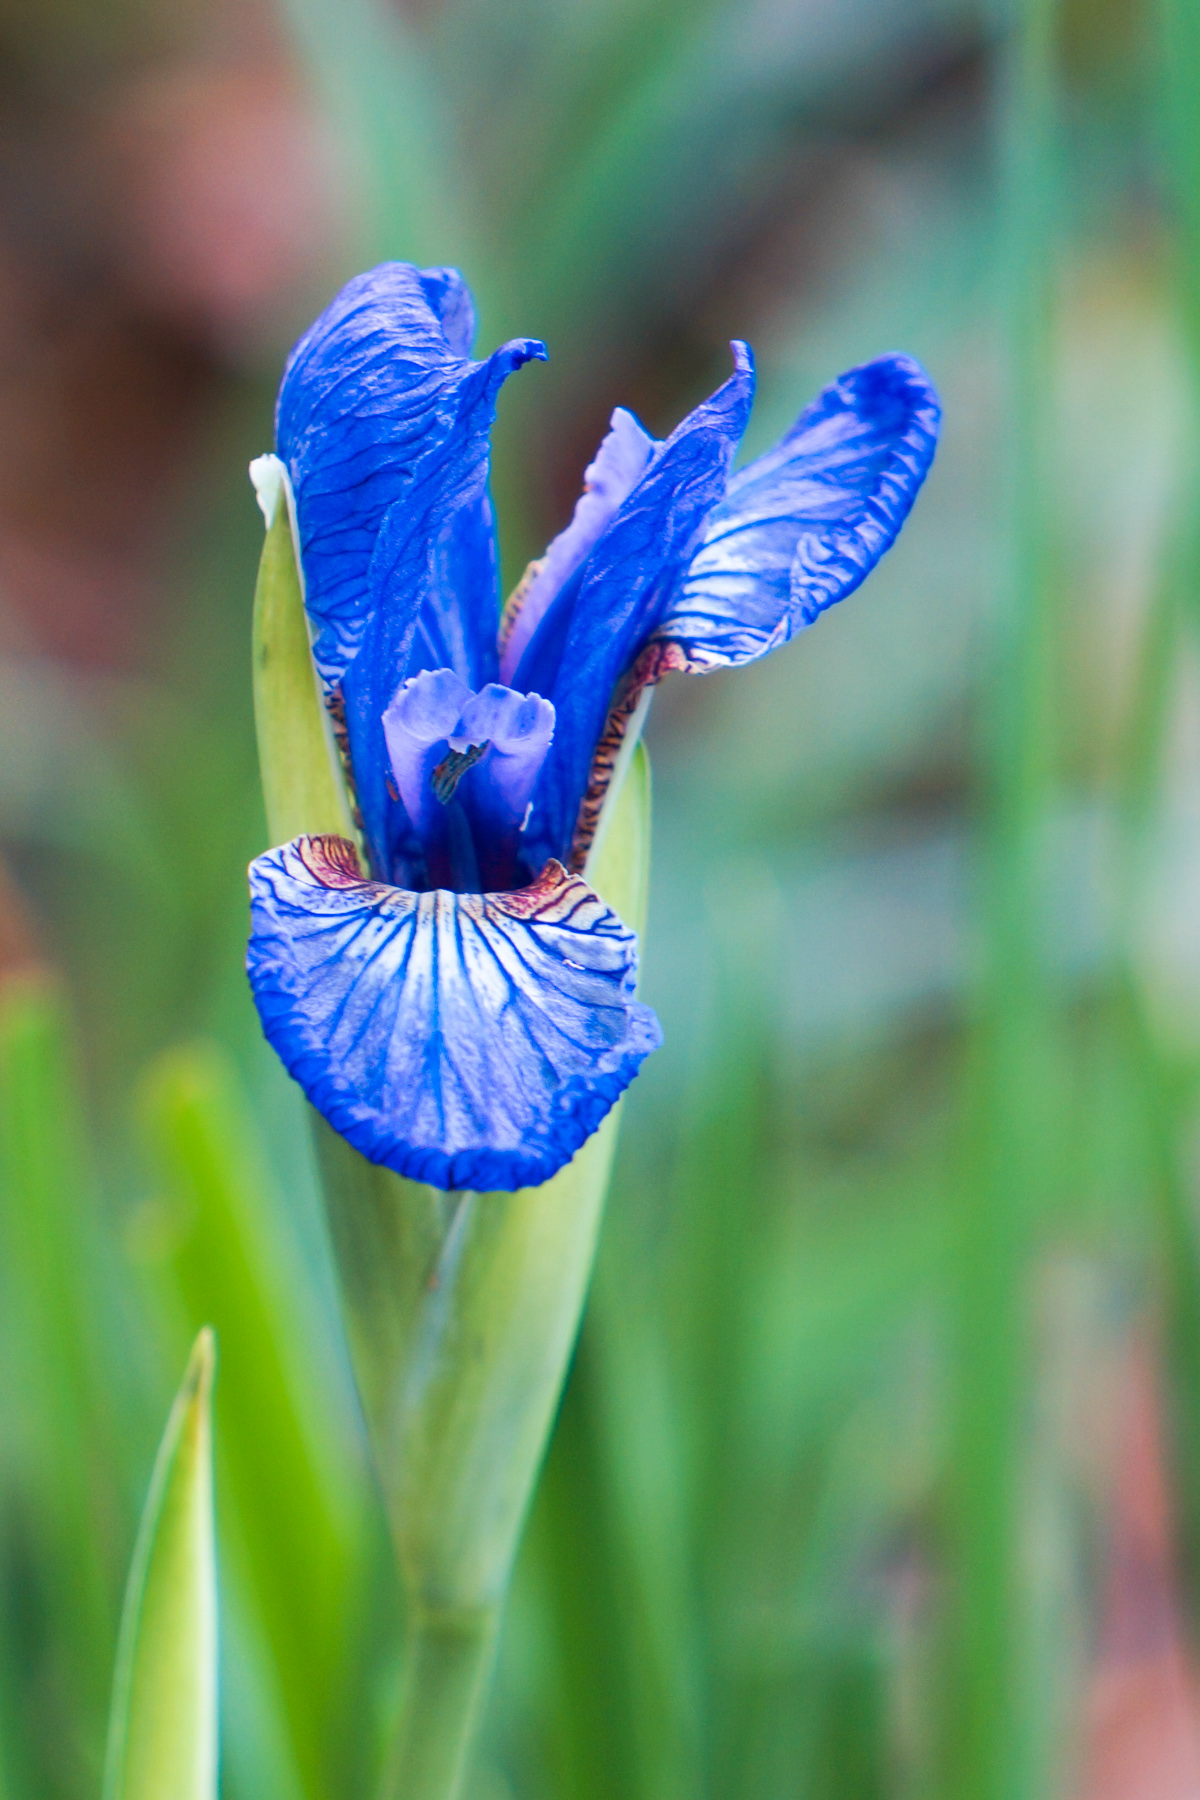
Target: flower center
(465, 767)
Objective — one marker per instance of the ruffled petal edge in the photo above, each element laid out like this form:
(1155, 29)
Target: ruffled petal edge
(341, 968)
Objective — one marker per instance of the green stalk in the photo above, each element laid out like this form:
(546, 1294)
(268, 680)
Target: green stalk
(461, 1309)
(989, 1732)
(450, 1659)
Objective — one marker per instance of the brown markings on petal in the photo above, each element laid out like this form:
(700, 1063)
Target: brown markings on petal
(546, 894)
(335, 706)
(333, 861)
(514, 603)
(655, 661)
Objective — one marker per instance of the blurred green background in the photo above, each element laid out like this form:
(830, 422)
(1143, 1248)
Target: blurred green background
(878, 1472)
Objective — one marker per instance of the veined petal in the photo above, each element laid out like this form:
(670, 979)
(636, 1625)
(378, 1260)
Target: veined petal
(514, 732)
(382, 422)
(802, 526)
(465, 1040)
(384, 426)
(450, 298)
(608, 481)
(798, 529)
(593, 630)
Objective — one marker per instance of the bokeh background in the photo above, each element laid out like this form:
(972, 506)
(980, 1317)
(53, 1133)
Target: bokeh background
(878, 1472)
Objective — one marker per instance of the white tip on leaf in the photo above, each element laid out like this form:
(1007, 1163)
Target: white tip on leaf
(270, 478)
(163, 1730)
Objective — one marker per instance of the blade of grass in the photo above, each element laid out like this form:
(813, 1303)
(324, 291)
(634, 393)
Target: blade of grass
(287, 1466)
(163, 1730)
(989, 1720)
(59, 1391)
(1165, 1090)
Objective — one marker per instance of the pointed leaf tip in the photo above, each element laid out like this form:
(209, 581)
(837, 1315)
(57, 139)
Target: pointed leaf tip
(162, 1741)
(304, 789)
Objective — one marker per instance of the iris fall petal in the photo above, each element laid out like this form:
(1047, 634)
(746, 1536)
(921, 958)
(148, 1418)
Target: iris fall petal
(468, 1040)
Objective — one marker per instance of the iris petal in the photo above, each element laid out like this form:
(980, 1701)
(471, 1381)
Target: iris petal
(608, 481)
(517, 730)
(798, 530)
(802, 526)
(416, 727)
(594, 629)
(465, 1040)
(384, 426)
(379, 405)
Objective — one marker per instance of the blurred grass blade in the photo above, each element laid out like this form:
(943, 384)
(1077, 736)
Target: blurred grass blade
(990, 1721)
(59, 1453)
(163, 1731)
(1169, 1093)
(289, 1478)
(1179, 57)
(382, 89)
(303, 789)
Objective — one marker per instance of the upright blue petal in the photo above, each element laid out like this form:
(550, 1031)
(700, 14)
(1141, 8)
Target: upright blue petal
(383, 424)
(608, 481)
(450, 298)
(375, 402)
(465, 1040)
(802, 526)
(604, 614)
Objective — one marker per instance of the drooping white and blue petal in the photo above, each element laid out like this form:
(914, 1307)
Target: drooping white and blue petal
(466, 1040)
(803, 525)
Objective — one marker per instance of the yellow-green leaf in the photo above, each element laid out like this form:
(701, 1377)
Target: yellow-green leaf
(163, 1729)
(303, 787)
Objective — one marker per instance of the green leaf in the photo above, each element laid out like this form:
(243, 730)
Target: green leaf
(291, 1485)
(303, 788)
(163, 1730)
(57, 1427)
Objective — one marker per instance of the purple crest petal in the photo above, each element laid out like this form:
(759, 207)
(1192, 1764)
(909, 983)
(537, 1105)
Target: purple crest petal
(465, 1040)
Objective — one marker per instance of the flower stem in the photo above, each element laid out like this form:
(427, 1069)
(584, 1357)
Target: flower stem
(449, 1660)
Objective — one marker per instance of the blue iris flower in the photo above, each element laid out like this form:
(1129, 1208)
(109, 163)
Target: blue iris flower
(464, 1011)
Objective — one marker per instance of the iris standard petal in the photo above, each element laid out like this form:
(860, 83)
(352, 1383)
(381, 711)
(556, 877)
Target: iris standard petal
(384, 426)
(606, 612)
(608, 481)
(802, 526)
(465, 1040)
(450, 298)
(382, 422)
